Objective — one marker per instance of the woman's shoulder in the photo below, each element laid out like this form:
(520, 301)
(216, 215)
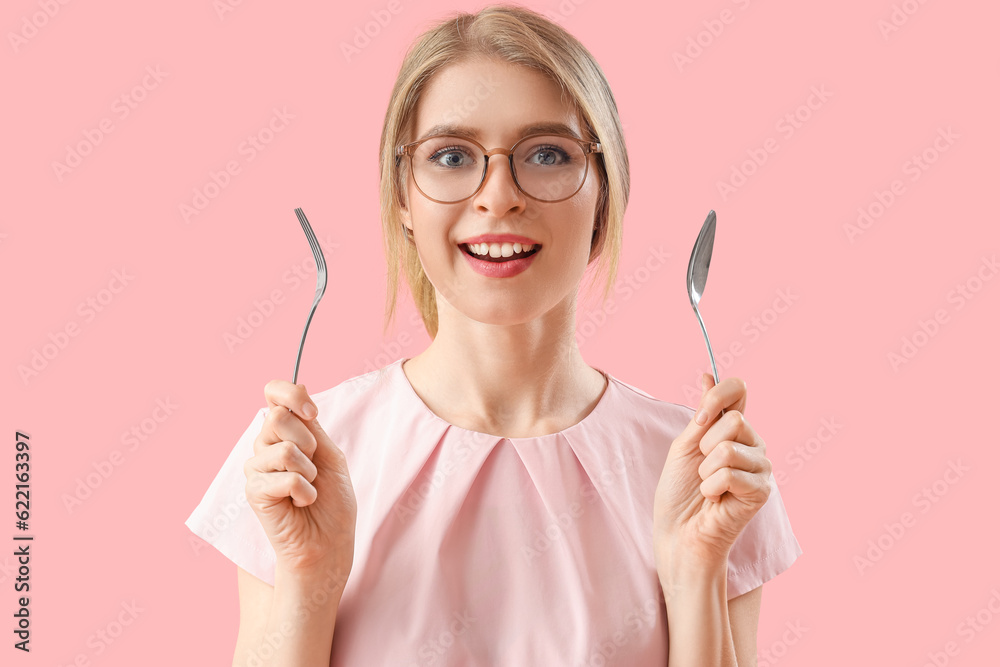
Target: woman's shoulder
(640, 397)
(360, 392)
(645, 408)
(366, 407)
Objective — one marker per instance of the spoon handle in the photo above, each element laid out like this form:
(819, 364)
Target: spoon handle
(711, 355)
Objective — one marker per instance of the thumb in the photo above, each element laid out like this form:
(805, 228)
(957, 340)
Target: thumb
(313, 424)
(316, 427)
(324, 444)
(707, 382)
(323, 441)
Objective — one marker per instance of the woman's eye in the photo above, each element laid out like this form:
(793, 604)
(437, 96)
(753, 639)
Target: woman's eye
(449, 157)
(549, 156)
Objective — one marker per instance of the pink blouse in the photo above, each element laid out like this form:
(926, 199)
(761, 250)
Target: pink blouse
(474, 549)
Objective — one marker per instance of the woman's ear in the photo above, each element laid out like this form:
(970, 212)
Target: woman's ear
(404, 211)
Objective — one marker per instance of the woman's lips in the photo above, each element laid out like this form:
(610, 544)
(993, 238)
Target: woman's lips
(489, 258)
(500, 238)
(500, 267)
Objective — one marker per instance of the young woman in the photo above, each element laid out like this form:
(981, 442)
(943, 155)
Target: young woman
(495, 500)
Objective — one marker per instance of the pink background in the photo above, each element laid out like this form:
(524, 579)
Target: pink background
(852, 490)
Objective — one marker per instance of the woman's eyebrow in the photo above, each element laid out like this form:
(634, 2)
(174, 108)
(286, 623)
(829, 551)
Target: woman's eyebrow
(469, 133)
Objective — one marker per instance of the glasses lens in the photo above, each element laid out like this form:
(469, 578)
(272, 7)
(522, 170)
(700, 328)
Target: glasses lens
(447, 168)
(549, 167)
(546, 167)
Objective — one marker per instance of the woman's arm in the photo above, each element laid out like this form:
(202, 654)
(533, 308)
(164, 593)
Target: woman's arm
(704, 630)
(289, 624)
(744, 613)
(715, 479)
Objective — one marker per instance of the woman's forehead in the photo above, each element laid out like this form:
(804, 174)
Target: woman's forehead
(484, 99)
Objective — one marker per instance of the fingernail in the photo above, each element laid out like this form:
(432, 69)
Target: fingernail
(701, 417)
(309, 411)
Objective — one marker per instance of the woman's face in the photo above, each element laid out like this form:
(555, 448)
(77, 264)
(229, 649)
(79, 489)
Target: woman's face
(496, 102)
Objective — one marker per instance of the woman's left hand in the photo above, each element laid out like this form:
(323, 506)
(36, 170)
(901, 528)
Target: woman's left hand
(715, 478)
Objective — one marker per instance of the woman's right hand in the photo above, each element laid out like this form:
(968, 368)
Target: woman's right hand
(299, 487)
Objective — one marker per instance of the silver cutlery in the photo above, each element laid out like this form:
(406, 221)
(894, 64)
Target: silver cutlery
(317, 252)
(697, 275)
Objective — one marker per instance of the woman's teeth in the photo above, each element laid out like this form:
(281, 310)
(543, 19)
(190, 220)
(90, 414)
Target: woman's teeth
(499, 252)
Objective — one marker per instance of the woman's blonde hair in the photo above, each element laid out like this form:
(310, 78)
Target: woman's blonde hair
(519, 36)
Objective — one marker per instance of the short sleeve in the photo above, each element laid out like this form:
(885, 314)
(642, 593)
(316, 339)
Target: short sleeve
(766, 547)
(225, 519)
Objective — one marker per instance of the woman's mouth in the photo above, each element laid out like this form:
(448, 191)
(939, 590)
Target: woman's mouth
(499, 252)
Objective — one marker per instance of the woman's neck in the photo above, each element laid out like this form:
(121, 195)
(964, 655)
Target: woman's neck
(521, 380)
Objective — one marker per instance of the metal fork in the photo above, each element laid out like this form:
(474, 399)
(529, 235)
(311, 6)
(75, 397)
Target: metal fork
(320, 282)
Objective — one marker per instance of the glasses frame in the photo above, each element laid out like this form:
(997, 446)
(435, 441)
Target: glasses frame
(587, 145)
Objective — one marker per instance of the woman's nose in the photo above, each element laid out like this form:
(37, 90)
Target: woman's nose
(499, 193)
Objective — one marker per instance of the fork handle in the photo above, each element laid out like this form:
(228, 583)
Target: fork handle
(302, 342)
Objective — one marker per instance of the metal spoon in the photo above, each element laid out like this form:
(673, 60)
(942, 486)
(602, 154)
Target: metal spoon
(697, 275)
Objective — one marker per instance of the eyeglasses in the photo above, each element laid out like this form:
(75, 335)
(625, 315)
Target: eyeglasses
(546, 167)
